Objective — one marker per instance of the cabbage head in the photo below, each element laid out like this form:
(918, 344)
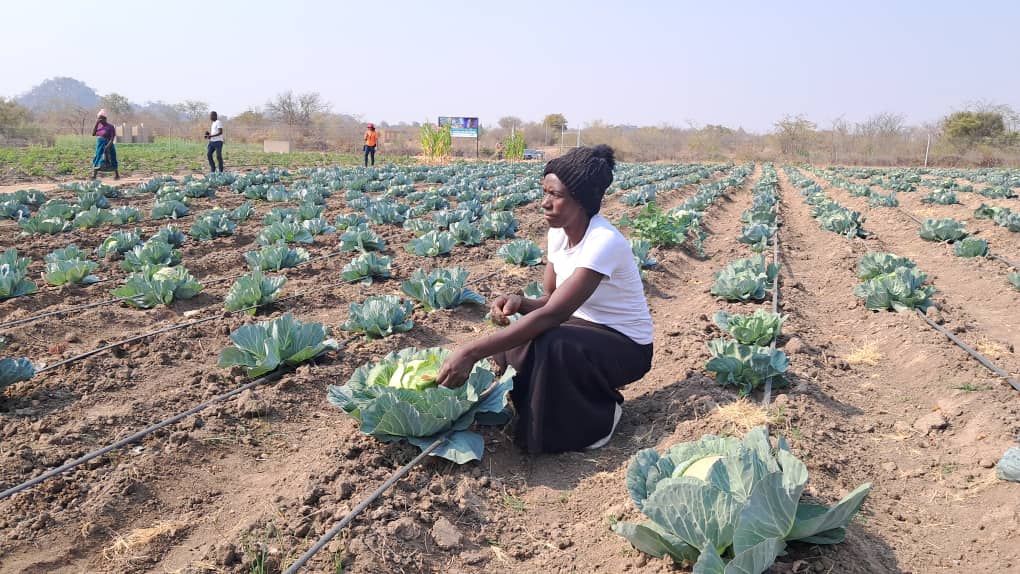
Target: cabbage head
(397, 398)
(728, 505)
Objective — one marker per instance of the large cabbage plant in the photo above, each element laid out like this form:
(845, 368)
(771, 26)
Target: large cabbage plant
(745, 366)
(380, 316)
(12, 275)
(760, 329)
(264, 346)
(745, 279)
(900, 290)
(878, 263)
(154, 285)
(398, 398)
(440, 288)
(728, 505)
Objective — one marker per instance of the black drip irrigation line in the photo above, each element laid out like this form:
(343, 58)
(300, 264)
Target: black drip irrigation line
(33, 318)
(400, 473)
(767, 395)
(980, 358)
(137, 436)
(357, 510)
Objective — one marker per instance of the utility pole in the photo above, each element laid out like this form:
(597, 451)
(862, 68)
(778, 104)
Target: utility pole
(926, 148)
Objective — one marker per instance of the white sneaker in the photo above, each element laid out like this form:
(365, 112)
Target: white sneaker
(617, 413)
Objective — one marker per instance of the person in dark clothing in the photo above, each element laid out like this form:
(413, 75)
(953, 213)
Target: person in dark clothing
(215, 137)
(106, 151)
(588, 336)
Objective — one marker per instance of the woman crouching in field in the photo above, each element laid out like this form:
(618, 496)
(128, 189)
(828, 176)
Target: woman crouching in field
(588, 336)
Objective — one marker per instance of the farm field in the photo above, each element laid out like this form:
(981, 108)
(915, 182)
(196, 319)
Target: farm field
(247, 485)
(74, 160)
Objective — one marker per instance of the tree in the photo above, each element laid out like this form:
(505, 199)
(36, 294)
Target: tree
(297, 110)
(249, 117)
(966, 129)
(555, 122)
(13, 117)
(794, 134)
(508, 122)
(115, 104)
(192, 110)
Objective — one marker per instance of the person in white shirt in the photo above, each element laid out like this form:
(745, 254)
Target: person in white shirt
(215, 137)
(590, 335)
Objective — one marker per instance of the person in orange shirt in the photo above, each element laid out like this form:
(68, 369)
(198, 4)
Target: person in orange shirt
(371, 140)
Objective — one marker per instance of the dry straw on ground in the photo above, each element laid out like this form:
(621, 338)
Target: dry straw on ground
(866, 355)
(740, 416)
(129, 546)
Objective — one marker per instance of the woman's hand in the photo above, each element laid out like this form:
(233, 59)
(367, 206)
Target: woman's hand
(456, 368)
(503, 307)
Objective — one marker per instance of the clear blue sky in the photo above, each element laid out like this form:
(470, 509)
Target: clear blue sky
(631, 61)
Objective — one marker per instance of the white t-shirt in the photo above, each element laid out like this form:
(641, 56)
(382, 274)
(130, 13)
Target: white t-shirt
(216, 126)
(619, 300)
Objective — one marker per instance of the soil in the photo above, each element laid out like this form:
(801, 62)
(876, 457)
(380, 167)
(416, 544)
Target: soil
(254, 481)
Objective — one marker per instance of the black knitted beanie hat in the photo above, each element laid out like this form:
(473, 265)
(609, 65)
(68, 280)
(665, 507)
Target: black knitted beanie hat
(587, 173)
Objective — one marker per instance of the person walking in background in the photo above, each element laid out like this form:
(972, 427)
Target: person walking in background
(371, 140)
(105, 150)
(215, 137)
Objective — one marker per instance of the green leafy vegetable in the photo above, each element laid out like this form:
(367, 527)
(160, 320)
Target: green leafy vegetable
(12, 275)
(947, 229)
(876, 263)
(275, 257)
(119, 242)
(641, 248)
(397, 398)
(122, 215)
(169, 209)
(432, 244)
(498, 225)
(523, 252)
(1014, 280)
(15, 370)
(43, 224)
(900, 290)
(440, 289)
(745, 366)
(971, 247)
(728, 505)
(465, 233)
(745, 279)
(366, 268)
(170, 234)
(760, 329)
(91, 218)
(361, 239)
(212, 224)
(158, 285)
(263, 347)
(153, 252)
(254, 290)
(380, 316)
(69, 265)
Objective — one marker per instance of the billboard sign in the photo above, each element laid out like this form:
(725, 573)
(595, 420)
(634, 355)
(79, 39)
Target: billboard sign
(460, 127)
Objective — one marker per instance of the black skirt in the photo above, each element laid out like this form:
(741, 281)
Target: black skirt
(567, 382)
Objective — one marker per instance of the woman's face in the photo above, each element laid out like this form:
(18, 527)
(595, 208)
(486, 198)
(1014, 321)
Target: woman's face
(560, 207)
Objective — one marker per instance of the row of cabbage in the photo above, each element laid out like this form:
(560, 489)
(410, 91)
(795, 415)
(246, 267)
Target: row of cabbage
(727, 504)
(748, 357)
(999, 184)
(831, 216)
(654, 227)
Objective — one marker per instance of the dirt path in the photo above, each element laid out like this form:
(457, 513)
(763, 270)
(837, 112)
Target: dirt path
(973, 294)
